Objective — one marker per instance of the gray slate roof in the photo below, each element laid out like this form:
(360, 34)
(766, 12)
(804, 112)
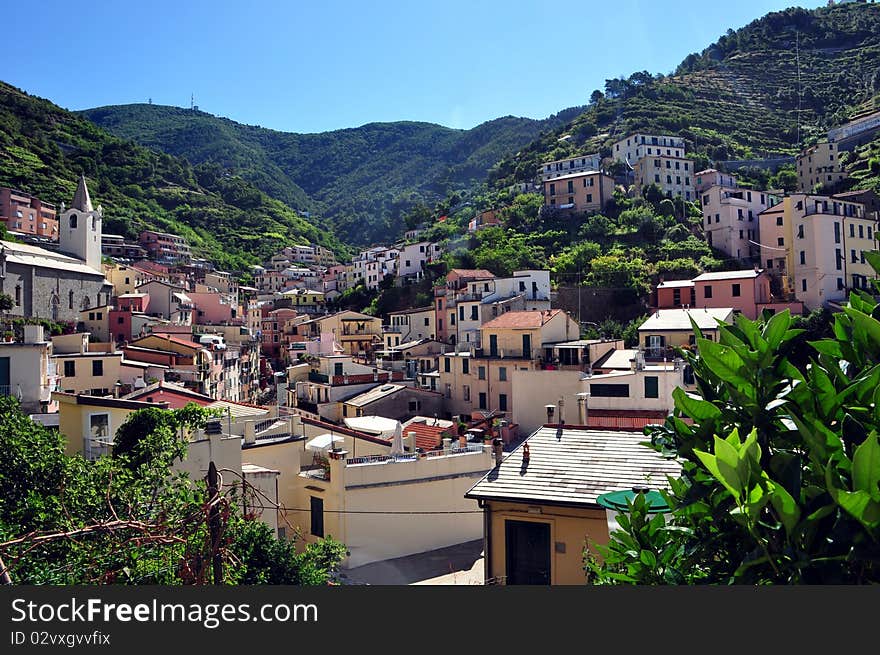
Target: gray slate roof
(574, 467)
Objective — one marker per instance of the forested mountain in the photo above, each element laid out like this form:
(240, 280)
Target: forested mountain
(43, 150)
(362, 179)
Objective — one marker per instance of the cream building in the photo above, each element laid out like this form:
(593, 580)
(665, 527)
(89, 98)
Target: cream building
(819, 166)
(730, 218)
(635, 146)
(674, 175)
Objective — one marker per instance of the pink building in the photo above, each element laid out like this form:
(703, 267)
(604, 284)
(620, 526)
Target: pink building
(746, 291)
(211, 308)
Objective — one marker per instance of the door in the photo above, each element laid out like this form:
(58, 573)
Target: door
(527, 346)
(527, 549)
(4, 375)
(493, 345)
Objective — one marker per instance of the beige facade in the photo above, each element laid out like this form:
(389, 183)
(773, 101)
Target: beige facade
(579, 192)
(409, 325)
(125, 279)
(815, 245)
(635, 146)
(27, 370)
(730, 218)
(819, 166)
(674, 175)
(560, 167)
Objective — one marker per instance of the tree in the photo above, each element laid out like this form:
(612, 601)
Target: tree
(596, 96)
(129, 518)
(6, 302)
(781, 464)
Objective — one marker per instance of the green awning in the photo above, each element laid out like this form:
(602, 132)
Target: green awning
(617, 500)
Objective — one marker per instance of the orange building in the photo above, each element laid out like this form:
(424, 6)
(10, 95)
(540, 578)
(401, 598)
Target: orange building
(24, 213)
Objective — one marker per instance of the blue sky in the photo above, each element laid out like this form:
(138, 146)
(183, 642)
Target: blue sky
(313, 66)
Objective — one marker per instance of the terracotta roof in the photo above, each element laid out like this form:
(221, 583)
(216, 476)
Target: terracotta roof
(177, 340)
(480, 273)
(522, 320)
(428, 437)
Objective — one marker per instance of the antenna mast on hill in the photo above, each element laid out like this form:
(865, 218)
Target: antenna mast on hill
(192, 100)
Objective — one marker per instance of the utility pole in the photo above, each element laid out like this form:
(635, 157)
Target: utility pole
(214, 523)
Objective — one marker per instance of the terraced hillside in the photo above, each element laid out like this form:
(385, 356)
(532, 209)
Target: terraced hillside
(768, 88)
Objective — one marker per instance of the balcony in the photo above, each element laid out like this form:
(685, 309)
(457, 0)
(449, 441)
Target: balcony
(314, 376)
(393, 329)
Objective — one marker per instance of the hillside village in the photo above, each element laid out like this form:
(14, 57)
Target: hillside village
(315, 402)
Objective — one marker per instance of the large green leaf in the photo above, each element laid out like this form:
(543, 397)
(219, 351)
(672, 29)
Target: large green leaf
(786, 507)
(727, 478)
(723, 362)
(694, 406)
(866, 467)
(776, 327)
(827, 347)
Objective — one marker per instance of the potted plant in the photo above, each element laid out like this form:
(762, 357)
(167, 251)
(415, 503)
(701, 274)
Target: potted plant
(8, 336)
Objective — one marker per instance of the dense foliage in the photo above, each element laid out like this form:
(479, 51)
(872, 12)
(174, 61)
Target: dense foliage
(44, 149)
(128, 518)
(363, 179)
(781, 463)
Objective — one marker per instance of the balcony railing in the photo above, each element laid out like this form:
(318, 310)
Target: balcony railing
(314, 376)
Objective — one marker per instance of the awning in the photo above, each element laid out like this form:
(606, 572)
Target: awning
(324, 441)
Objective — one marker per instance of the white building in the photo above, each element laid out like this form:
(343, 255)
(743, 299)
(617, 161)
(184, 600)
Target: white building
(635, 146)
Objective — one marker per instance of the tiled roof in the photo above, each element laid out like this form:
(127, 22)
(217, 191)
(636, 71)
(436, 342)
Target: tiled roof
(480, 273)
(428, 437)
(677, 319)
(574, 466)
(522, 320)
(728, 275)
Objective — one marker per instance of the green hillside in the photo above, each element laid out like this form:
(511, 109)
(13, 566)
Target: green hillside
(43, 150)
(767, 88)
(363, 179)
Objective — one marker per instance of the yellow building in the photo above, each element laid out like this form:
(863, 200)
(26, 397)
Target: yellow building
(674, 175)
(541, 509)
(482, 379)
(355, 333)
(579, 192)
(819, 166)
(125, 279)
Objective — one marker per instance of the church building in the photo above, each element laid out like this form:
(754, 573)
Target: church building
(57, 285)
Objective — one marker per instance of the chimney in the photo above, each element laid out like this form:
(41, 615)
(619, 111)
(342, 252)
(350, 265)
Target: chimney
(411, 441)
(498, 450)
(550, 410)
(582, 414)
(447, 443)
(561, 411)
(33, 334)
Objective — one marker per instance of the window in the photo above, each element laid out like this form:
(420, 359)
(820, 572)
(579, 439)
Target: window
(707, 291)
(552, 189)
(862, 256)
(571, 186)
(652, 387)
(465, 366)
(461, 313)
(735, 291)
(466, 393)
(657, 178)
(481, 372)
(99, 435)
(502, 402)
(836, 232)
(838, 258)
(502, 373)
(780, 241)
(800, 231)
(18, 294)
(415, 406)
(839, 283)
(70, 300)
(852, 230)
(861, 231)
(317, 512)
(870, 233)
(804, 284)
(779, 220)
(447, 391)
(446, 364)
(803, 258)
(853, 257)
(769, 263)
(73, 221)
(481, 402)
(69, 369)
(610, 390)
(668, 179)
(452, 318)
